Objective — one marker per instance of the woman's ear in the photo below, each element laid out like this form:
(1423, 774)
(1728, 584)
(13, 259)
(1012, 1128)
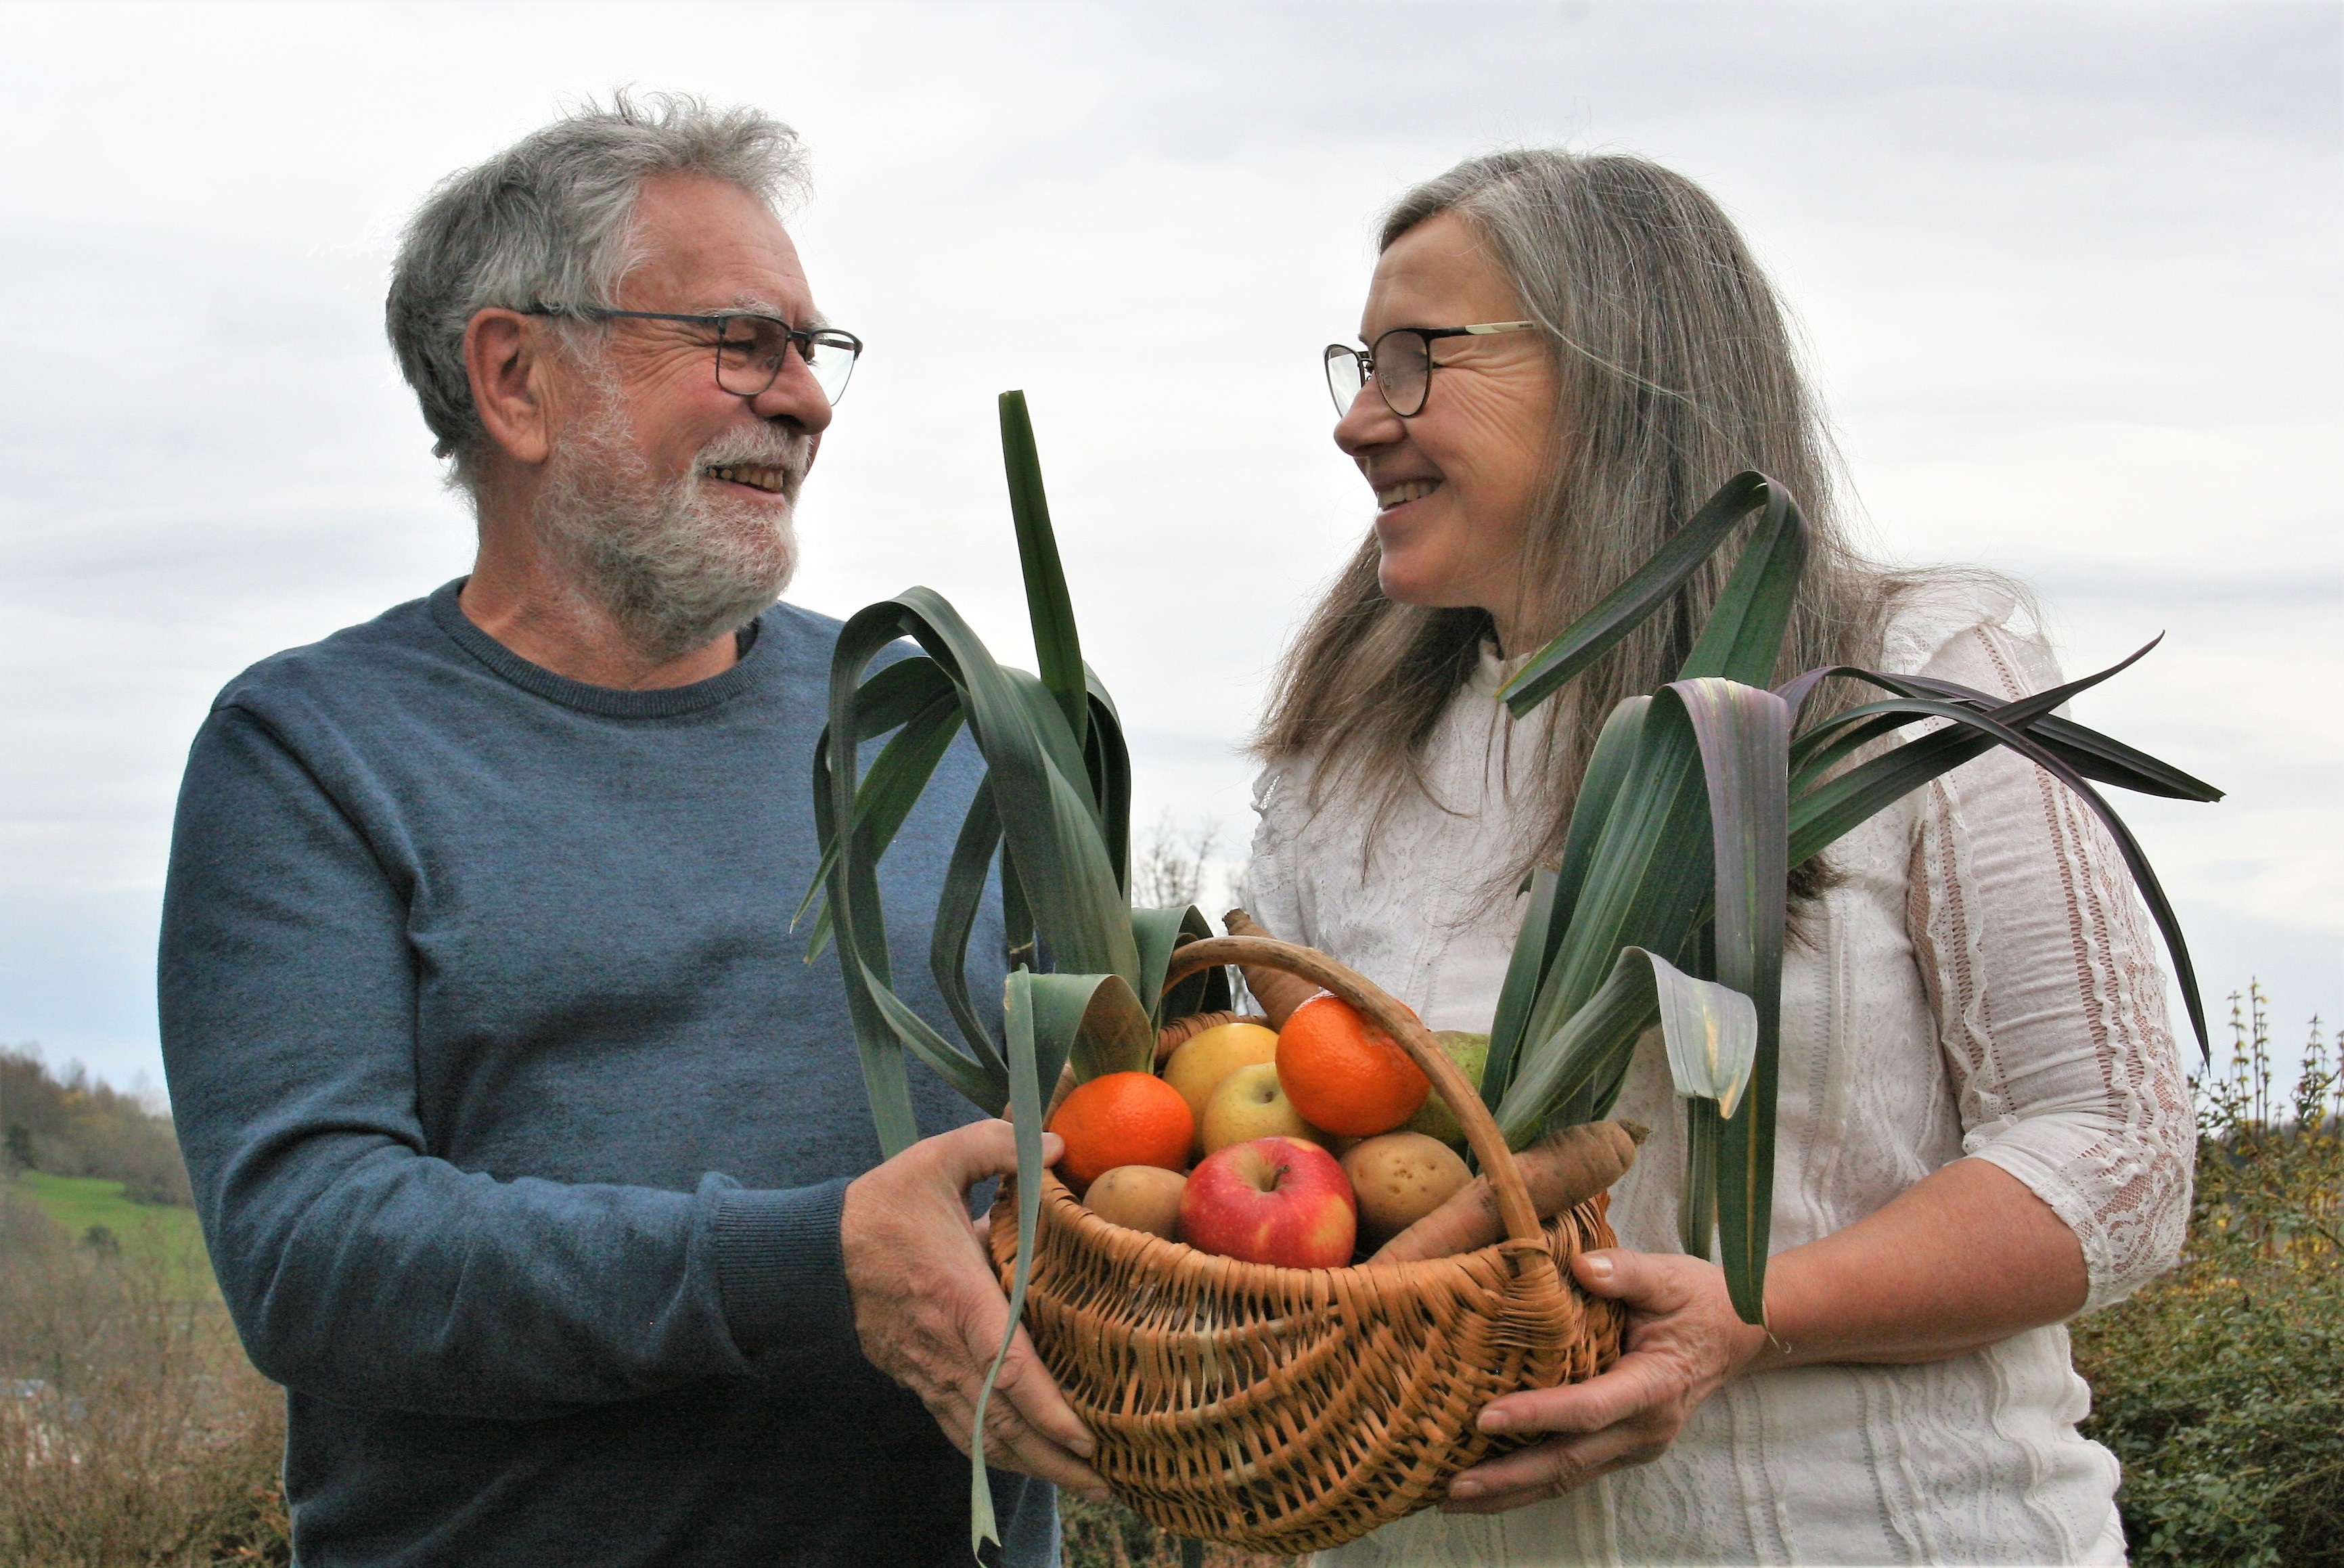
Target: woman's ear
(506, 361)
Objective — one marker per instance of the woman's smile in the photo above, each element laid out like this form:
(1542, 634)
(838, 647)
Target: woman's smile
(1392, 497)
(1458, 483)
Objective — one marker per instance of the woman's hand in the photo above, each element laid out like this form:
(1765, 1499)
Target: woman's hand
(1964, 1258)
(1684, 1340)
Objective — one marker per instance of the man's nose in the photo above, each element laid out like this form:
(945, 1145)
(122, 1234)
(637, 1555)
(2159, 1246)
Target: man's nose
(796, 396)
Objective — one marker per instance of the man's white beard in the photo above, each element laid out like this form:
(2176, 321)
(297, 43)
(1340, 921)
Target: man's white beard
(675, 566)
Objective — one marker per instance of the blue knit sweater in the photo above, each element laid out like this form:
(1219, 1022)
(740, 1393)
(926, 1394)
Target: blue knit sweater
(520, 1125)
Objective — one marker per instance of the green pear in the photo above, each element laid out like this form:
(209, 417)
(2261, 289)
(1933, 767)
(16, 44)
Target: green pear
(1471, 1052)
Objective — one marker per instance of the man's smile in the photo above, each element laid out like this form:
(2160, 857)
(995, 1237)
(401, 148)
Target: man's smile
(761, 476)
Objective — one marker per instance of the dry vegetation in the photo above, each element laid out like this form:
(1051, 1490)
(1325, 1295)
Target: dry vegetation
(1111, 1536)
(132, 1429)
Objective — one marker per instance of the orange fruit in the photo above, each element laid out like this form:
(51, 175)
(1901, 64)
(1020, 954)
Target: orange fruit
(1344, 1075)
(1122, 1119)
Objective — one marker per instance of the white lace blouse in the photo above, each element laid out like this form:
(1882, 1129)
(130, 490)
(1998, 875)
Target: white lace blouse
(1983, 983)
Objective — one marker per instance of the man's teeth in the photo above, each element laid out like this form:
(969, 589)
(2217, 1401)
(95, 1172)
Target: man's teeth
(1399, 494)
(763, 478)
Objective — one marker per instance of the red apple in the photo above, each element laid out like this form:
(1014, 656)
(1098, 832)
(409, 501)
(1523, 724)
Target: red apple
(1275, 1200)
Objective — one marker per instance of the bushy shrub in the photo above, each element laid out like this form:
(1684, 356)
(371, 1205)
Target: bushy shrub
(2221, 1387)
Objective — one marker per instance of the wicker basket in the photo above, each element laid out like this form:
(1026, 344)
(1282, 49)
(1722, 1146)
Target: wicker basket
(1291, 1409)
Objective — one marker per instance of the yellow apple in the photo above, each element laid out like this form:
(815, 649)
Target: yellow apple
(1250, 1103)
(1199, 1064)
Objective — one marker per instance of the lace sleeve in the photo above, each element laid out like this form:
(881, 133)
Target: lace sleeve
(2042, 968)
(1271, 896)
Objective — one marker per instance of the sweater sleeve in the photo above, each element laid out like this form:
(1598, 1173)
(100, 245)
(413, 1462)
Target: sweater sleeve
(360, 1268)
(2042, 968)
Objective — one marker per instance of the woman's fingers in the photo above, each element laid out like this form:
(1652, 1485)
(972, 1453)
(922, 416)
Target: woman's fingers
(1548, 1469)
(1648, 1285)
(1682, 1340)
(1635, 1385)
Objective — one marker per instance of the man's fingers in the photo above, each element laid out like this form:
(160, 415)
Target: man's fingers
(1011, 1440)
(1036, 1394)
(1026, 1387)
(1009, 1443)
(984, 1149)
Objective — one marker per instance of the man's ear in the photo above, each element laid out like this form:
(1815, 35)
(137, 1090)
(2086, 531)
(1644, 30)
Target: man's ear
(506, 359)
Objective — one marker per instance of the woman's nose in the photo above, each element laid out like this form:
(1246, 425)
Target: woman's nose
(1368, 423)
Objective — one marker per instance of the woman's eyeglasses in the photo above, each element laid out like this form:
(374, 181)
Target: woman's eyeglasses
(1399, 363)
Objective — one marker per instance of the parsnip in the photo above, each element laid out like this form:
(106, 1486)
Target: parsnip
(1278, 992)
(1564, 1169)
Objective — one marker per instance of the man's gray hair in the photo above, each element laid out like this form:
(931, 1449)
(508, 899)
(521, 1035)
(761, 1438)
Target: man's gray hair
(551, 221)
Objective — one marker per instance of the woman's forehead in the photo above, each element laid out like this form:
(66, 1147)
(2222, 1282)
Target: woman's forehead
(1439, 274)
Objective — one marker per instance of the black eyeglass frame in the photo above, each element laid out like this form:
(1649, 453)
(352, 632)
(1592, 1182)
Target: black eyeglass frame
(1364, 360)
(805, 338)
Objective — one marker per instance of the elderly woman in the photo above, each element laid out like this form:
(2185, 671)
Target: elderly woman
(1985, 1129)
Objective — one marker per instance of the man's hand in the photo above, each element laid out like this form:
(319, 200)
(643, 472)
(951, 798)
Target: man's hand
(930, 1313)
(1684, 1340)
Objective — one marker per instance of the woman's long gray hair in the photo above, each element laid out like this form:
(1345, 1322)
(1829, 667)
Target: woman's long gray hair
(1675, 372)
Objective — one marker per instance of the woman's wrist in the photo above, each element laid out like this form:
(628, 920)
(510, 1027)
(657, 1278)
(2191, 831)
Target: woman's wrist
(1963, 1259)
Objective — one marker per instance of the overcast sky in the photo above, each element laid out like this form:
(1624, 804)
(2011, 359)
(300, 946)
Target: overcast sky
(2068, 274)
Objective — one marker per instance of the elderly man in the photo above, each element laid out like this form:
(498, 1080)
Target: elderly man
(532, 1153)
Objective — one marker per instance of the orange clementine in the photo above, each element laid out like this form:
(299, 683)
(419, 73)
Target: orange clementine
(1122, 1119)
(1344, 1075)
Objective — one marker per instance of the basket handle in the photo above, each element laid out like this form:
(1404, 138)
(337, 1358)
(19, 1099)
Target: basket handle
(1489, 1146)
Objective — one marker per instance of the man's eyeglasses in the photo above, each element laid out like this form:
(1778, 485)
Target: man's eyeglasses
(1399, 363)
(750, 351)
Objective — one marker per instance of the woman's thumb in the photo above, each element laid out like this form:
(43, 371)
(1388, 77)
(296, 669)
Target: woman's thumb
(1605, 1272)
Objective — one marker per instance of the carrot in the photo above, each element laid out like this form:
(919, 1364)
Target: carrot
(1563, 1169)
(1278, 992)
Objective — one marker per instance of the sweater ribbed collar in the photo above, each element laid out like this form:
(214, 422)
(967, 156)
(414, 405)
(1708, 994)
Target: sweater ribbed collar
(611, 702)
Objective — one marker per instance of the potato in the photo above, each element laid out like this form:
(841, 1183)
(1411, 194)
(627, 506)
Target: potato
(1139, 1197)
(1399, 1177)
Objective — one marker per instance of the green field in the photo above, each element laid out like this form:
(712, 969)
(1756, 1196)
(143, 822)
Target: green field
(163, 1237)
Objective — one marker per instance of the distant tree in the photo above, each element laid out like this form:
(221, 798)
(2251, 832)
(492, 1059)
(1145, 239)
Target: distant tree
(78, 1126)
